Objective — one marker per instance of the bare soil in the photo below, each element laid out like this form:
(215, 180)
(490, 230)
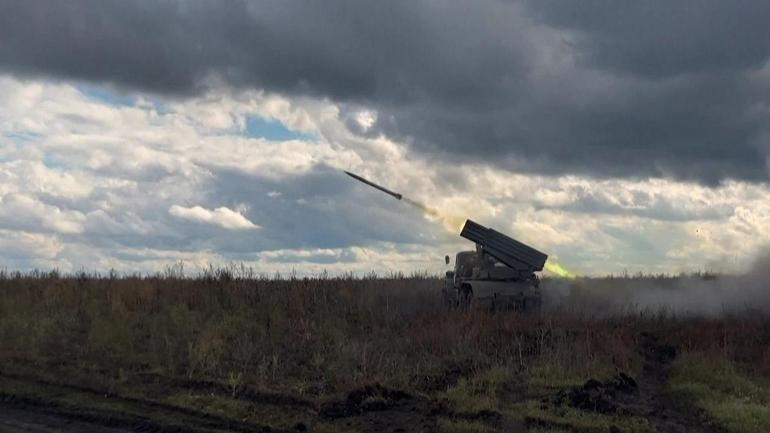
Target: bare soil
(372, 408)
(666, 414)
(30, 420)
(647, 396)
(41, 414)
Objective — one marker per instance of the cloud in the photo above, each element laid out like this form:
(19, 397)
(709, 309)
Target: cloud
(19, 246)
(619, 36)
(21, 211)
(91, 182)
(220, 216)
(656, 89)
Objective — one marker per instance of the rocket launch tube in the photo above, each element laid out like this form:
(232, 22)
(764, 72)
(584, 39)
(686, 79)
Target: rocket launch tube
(372, 184)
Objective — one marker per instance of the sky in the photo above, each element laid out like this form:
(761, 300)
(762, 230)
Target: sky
(615, 136)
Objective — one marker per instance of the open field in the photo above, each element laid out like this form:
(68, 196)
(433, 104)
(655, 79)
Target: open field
(229, 351)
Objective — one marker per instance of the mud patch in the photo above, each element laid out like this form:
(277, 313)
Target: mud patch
(610, 397)
(647, 396)
(485, 416)
(443, 380)
(21, 421)
(664, 412)
(369, 398)
(91, 407)
(375, 408)
(657, 357)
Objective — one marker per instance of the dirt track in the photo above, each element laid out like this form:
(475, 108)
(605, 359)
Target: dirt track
(647, 396)
(370, 409)
(666, 414)
(30, 421)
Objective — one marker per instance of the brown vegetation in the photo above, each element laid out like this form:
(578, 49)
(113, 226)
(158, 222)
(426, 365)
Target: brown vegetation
(310, 339)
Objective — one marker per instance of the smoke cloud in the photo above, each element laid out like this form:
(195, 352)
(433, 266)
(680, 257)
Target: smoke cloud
(688, 295)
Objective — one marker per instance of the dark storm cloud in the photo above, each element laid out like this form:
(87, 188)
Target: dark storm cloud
(662, 37)
(608, 89)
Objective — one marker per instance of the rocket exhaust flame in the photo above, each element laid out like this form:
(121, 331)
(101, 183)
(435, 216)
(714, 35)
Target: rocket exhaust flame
(558, 270)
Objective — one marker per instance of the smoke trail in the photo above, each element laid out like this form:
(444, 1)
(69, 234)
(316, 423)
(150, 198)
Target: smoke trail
(453, 223)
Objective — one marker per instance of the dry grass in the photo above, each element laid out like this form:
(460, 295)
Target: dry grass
(320, 336)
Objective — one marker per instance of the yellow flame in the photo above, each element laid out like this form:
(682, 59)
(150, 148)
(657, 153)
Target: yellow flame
(558, 270)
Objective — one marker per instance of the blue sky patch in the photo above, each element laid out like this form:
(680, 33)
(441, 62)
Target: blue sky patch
(106, 95)
(22, 136)
(259, 127)
(52, 161)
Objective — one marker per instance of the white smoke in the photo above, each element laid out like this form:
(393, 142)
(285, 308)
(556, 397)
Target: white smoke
(698, 294)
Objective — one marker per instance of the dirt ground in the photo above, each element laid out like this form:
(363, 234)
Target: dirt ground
(31, 421)
(369, 409)
(646, 396)
(665, 413)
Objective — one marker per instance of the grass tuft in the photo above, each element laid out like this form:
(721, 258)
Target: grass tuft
(463, 426)
(578, 420)
(725, 394)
